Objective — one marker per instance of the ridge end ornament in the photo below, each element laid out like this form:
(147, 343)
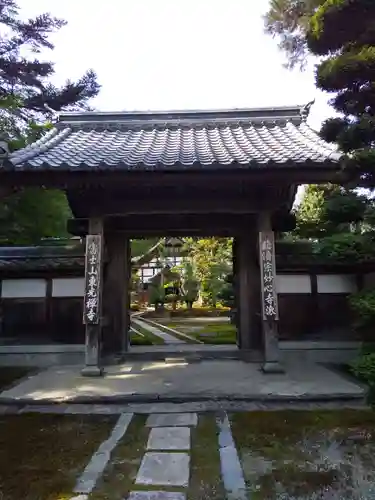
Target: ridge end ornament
(54, 114)
(305, 110)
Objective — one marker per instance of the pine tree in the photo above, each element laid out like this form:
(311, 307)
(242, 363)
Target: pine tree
(28, 215)
(27, 77)
(343, 32)
(288, 21)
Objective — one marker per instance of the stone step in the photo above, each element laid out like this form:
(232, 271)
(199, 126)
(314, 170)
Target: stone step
(189, 352)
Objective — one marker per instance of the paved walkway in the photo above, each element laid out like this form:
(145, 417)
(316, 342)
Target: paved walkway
(166, 461)
(167, 337)
(178, 380)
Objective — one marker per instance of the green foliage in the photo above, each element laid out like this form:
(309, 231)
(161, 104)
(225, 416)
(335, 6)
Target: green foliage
(156, 295)
(338, 23)
(141, 247)
(363, 307)
(364, 368)
(326, 210)
(23, 74)
(29, 215)
(212, 259)
(226, 295)
(343, 31)
(190, 283)
(288, 21)
(347, 247)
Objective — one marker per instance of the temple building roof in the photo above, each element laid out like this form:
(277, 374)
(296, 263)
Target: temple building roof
(279, 137)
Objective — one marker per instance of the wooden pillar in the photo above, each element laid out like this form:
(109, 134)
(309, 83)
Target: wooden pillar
(247, 274)
(236, 305)
(117, 295)
(269, 303)
(92, 306)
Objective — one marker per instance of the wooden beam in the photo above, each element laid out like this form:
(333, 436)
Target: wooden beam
(270, 174)
(169, 225)
(100, 202)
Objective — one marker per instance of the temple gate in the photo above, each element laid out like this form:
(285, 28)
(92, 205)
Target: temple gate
(210, 173)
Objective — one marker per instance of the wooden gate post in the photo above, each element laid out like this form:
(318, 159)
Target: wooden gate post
(269, 302)
(247, 275)
(117, 294)
(92, 304)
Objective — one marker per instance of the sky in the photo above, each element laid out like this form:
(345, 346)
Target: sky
(176, 54)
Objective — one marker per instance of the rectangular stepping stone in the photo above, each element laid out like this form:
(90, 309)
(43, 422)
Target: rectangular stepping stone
(169, 438)
(164, 469)
(156, 495)
(172, 420)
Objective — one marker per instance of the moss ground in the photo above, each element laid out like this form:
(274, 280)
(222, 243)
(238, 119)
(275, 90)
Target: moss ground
(10, 374)
(304, 454)
(41, 456)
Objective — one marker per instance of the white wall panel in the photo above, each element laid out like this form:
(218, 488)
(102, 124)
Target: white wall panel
(293, 283)
(19, 289)
(336, 283)
(68, 287)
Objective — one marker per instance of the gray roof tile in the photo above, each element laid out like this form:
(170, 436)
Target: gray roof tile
(82, 141)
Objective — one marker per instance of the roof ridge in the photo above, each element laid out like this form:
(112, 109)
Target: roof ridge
(266, 113)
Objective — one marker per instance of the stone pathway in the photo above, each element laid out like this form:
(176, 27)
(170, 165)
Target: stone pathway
(167, 460)
(93, 471)
(231, 470)
(167, 337)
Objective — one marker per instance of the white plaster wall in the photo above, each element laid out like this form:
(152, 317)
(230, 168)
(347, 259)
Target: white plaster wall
(68, 287)
(22, 289)
(293, 283)
(336, 283)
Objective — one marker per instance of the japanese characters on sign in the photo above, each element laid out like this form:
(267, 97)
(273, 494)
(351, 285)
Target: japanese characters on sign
(91, 306)
(267, 265)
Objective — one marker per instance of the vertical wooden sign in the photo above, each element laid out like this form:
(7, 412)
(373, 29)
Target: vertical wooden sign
(92, 296)
(268, 276)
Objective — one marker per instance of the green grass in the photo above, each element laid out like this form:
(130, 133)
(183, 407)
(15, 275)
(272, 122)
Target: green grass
(209, 333)
(119, 475)
(302, 453)
(162, 325)
(148, 339)
(10, 374)
(205, 476)
(41, 456)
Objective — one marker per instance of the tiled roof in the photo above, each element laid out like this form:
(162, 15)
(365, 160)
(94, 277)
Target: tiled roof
(168, 140)
(17, 260)
(42, 258)
(57, 257)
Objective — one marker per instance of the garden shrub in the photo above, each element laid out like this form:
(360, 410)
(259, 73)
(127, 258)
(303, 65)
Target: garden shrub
(364, 368)
(363, 306)
(346, 247)
(195, 312)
